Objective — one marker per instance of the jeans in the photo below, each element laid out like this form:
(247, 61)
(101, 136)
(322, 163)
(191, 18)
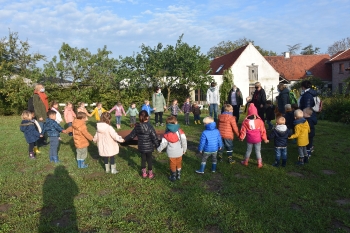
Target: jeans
(269, 124)
(54, 143)
(228, 144)
(302, 151)
(257, 150)
(159, 117)
(197, 117)
(206, 155)
(213, 111)
(281, 152)
(118, 120)
(69, 125)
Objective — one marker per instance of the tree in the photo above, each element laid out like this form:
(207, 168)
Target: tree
(226, 47)
(309, 50)
(294, 48)
(339, 46)
(227, 83)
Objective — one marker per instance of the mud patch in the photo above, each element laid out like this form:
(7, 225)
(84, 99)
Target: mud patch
(48, 167)
(5, 207)
(94, 175)
(104, 192)
(241, 176)
(212, 229)
(81, 195)
(295, 174)
(215, 183)
(131, 218)
(106, 212)
(294, 206)
(328, 172)
(176, 190)
(340, 225)
(343, 201)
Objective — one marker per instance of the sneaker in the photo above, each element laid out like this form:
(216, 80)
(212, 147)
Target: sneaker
(144, 173)
(231, 161)
(162, 124)
(150, 174)
(157, 124)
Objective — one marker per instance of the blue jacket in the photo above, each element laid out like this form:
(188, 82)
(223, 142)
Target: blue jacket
(52, 128)
(280, 133)
(147, 108)
(30, 132)
(210, 140)
(312, 120)
(307, 99)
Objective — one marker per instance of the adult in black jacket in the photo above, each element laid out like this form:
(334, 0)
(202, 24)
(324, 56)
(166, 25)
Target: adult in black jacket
(259, 100)
(235, 98)
(147, 140)
(307, 96)
(283, 98)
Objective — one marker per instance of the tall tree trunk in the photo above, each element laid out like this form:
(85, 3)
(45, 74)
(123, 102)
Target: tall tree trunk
(168, 98)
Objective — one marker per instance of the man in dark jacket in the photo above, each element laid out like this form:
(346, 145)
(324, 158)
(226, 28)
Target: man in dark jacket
(283, 98)
(259, 100)
(307, 96)
(235, 98)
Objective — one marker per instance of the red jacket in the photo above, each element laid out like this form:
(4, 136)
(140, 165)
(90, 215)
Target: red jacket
(227, 126)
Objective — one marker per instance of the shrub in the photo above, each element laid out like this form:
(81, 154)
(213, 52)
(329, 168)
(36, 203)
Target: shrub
(337, 108)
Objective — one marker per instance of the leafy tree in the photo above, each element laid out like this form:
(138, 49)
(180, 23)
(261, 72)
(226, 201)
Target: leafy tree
(227, 83)
(339, 46)
(225, 47)
(294, 48)
(309, 50)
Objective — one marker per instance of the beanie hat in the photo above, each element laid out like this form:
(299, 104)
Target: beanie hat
(252, 110)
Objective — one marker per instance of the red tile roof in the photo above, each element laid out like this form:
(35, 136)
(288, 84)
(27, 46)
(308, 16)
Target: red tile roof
(227, 60)
(341, 56)
(295, 67)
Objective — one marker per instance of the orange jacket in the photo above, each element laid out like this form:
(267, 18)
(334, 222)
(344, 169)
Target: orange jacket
(227, 126)
(81, 136)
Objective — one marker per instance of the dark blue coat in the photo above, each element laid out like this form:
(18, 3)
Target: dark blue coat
(289, 119)
(280, 134)
(283, 99)
(52, 128)
(307, 99)
(210, 140)
(30, 132)
(312, 120)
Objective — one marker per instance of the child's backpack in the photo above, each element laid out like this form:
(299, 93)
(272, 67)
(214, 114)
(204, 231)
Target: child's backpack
(318, 104)
(292, 98)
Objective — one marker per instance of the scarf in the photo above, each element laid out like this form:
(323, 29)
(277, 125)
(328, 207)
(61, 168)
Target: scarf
(43, 98)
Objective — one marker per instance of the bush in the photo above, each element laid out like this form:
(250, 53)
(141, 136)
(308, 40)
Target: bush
(337, 108)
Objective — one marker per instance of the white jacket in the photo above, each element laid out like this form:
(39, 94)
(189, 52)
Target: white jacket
(213, 96)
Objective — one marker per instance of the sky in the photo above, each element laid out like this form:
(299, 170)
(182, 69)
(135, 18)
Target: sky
(124, 25)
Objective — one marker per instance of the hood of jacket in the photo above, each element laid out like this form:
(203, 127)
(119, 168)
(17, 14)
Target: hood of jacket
(311, 91)
(172, 137)
(299, 121)
(77, 123)
(102, 127)
(212, 89)
(172, 127)
(281, 130)
(224, 117)
(210, 126)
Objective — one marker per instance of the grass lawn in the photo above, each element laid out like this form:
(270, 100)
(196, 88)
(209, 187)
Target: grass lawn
(38, 196)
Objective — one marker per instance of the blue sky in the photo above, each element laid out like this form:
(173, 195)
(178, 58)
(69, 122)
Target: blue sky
(124, 25)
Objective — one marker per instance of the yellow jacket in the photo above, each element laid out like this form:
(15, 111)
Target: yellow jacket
(97, 114)
(302, 130)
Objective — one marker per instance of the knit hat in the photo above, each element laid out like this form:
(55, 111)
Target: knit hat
(252, 110)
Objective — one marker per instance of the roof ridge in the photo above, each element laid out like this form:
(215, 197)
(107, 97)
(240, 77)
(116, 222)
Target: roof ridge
(339, 54)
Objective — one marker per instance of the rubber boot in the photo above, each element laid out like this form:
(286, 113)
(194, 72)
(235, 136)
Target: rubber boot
(201, 169)
(178, 174)
(260, 165)
(284, 162)
(114, 169)
(213, 167)
(36, 150)
(245, 162)
(220, 156)
(172, 176)
(306, 159)
(276, 163)
(150, 174)
(308, 153)
(230, 160)
(300, 161)
(144, 173)
(195, 122)
(108, 168)
(79, 163)
(82, 164)
(199, 122)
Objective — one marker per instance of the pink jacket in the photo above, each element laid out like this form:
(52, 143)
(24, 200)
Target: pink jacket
(69, 115)
(119, 111)
(253, 129)
(107, 140)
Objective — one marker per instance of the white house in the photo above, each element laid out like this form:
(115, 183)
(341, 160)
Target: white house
(248, 66)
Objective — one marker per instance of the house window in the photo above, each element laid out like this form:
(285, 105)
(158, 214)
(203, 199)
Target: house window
(253, 73)
(218, 70)
(200, 95)
(341, 68)
(340, 86)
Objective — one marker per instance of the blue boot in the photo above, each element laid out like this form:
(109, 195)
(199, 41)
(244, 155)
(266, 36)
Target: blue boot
(79, 163)
(201, 169)
(213, 167)
(172, 176)
(276, 163)
(82, 164)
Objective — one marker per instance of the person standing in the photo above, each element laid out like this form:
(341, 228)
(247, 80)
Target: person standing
(235, 98)
(307, 95)
(213, 100)
(159, 105)
(259, 100)
(283, 98)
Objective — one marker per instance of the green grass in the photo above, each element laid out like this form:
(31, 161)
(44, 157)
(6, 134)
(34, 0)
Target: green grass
(38, 196)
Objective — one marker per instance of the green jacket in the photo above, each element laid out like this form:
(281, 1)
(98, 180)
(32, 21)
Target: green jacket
(39, 108)
(158, 102)
(132, 111)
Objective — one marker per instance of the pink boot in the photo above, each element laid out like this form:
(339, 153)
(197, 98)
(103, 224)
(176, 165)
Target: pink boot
(150, 174)
(144, 173)
(260, 165)
(245, 162)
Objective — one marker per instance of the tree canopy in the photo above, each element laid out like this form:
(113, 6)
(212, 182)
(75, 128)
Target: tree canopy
(339, 46)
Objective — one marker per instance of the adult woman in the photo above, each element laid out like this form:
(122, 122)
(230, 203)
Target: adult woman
(283, 97)
(307, 95)
(259, 100)
(235, 98)
(159, 105)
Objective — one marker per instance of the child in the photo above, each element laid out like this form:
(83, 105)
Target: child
(210, 143)
(31, 134)
(254, 128)
(81, 138)
(98, 111)
(311, 118)
(69, 115)
(228, 127)
(223, 107)
(147, 108)
(119, 111)
(53, 130)
(196, 113)
(38, 128)
(301, 132)
(147, 139)
(175, 141)
(174, 108)
(269, 113)
(133, 112)
(54, 107)
(280, 133)
(107, 142)
(82, 108)
(186, 108)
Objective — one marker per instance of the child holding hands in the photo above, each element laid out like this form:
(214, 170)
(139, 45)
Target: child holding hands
(119, 111)
(69, 114)
(31, 134)
(133, 112)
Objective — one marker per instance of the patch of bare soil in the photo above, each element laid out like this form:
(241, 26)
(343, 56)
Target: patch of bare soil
(131, 218)
(94, 175)
(5, 207)
(295, 174)
(215, 183)
(343, 201)
(104, 192)
(328, 172)
(81, 195)
(48, 167)
(106, 212)
(240, 176)
(212, 229)
(339, 225)
(294, 206)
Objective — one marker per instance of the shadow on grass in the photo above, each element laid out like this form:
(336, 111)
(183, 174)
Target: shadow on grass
(58, 213)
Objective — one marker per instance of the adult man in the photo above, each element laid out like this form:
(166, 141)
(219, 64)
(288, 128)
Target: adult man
(259, 100)
(213, 100)
(235, 98)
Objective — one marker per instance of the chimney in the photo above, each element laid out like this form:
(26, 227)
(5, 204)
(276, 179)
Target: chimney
(286, 55)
